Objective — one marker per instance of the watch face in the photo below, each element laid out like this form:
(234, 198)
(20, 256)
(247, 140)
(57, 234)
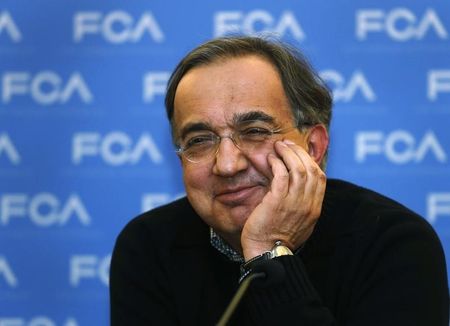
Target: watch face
(281, 251)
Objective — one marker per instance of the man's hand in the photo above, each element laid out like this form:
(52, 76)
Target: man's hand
(291, 208)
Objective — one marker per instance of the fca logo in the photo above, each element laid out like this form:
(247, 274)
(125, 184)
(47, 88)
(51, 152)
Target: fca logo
(45, 87)
(10, 28)
(400, 24)
(7, 274)
(7, 149)
(257, 21)
(115, 148)
(43, 209)
(399, 147)
(345, 90)
(438, 82)
(116, 26)
(35, 321)
(89, 267)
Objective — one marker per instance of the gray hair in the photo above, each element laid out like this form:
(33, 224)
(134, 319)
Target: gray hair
(309, 98)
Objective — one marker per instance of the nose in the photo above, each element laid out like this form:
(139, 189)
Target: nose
(229, 159)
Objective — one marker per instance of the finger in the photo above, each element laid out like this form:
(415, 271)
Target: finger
(280, 182)
(314, 177)
(319, 194)
(294, 165)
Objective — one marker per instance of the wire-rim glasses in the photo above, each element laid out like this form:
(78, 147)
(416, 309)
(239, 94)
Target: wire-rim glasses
(252, 136)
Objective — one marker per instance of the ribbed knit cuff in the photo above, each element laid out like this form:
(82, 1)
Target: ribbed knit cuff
(293, 291)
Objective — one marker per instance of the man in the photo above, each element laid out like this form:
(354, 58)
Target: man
(250, 123)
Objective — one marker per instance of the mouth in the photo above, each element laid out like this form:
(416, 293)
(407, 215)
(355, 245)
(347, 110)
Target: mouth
(237, 196)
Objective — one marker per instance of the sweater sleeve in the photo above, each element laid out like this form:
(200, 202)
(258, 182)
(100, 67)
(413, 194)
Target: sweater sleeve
(289, 302)
(396, 275)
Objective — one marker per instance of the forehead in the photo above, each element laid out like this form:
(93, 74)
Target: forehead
(217, 92)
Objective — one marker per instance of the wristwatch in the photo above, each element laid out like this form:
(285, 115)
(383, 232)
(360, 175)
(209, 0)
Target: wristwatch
(277, 251)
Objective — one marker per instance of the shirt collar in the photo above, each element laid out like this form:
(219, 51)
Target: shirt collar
(218, 243)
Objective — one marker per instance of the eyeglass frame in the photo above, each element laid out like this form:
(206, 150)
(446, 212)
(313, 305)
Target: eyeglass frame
(217, 140)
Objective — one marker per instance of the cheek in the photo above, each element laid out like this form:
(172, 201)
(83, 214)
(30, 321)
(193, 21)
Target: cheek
(196, 177)
(197, 183)
(259, 162)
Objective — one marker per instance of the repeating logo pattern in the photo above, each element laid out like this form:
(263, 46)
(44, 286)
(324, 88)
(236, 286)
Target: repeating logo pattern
(85, 144)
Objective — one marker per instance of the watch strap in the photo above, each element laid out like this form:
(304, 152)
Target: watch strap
(277, 250)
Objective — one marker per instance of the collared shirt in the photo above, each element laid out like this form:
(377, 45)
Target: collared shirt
(223, 247)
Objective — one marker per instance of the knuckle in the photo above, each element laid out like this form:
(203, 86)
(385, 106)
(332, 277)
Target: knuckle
(317, 213)
(300, 170)
(313, 212)
(314, 170)
(322, 177)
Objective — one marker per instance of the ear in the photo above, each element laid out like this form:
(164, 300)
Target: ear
(317, 142)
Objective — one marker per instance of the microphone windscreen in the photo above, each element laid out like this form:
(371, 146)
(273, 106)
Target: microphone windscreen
(273, 271)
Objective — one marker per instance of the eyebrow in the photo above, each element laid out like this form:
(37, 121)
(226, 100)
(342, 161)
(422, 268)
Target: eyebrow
(241, 118)
(194, 126)
(238, 119)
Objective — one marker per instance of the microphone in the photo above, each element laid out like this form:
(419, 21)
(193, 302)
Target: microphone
(266, 273)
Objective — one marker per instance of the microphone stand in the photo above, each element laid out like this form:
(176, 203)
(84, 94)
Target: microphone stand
(238, 297)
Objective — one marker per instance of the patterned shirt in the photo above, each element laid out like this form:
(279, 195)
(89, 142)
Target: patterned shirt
(223, 247)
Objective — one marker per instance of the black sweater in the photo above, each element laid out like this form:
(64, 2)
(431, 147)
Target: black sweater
(369, 261)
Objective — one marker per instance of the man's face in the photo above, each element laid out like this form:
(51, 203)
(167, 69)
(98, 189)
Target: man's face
(225, 189)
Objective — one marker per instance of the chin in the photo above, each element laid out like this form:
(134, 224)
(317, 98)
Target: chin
(228, 217)
(235, 217)
(238, 212)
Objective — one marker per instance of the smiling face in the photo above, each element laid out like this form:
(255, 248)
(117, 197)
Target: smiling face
(219, 97)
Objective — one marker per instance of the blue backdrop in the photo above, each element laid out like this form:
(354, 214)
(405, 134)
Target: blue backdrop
(85, 146)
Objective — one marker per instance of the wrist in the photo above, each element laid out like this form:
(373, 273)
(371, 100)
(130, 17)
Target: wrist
(255, 251)
(277, 250)
(251, 249)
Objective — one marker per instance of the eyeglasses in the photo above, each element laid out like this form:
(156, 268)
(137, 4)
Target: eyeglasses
(249, 138)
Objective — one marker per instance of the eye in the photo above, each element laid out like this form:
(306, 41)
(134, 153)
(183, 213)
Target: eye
(200, 140)
(255, 132)
(258, 130)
